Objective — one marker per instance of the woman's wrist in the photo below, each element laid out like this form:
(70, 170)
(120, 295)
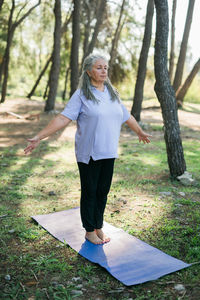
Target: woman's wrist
(139, 131)
(38, 138)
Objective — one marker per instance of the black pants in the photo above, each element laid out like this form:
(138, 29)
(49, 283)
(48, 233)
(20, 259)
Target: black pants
(96, 180)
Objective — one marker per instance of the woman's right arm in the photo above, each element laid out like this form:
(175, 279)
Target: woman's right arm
(54, 125)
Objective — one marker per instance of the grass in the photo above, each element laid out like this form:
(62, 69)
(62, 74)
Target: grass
(36, 266)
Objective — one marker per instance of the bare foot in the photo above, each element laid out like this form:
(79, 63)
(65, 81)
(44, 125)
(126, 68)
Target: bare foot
(102, 235)
(93, 238)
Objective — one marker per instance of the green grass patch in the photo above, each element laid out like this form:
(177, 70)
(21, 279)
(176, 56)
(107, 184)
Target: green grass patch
(39, 267)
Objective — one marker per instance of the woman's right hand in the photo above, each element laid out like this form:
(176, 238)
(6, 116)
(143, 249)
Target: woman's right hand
(33, 143)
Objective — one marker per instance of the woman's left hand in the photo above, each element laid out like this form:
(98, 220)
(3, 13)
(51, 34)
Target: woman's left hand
(144, 137)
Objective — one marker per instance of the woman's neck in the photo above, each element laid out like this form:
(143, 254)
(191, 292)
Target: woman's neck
(98, 86)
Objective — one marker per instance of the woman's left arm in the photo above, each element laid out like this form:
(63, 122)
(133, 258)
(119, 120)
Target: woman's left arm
(143, 136)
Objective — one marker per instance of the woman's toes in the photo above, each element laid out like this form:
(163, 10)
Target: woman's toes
(93, 238)
(102, 235)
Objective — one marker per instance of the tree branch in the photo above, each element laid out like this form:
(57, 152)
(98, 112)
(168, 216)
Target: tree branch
(17, 23)
(66, 23)
(19, 12)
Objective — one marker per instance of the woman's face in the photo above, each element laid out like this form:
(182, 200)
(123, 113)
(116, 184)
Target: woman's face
(98, 73)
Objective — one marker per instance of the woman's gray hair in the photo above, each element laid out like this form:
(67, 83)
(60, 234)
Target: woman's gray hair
(85, 84)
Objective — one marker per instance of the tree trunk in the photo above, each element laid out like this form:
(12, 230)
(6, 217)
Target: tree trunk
(6, 57)
(172, 55)
(115, 40)
(165, 93)
(139, 86)
(11, 29)
(6, 66)
(46, 91)
(65, 84)
(181, 92)
(184, 43)
(75, 46)
(2, 68)
(55, 67)
(39, 77)
(87, 29)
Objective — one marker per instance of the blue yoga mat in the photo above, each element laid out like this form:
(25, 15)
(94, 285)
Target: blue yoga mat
(125, 257)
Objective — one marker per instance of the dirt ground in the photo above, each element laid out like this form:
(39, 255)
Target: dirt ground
(15, 130)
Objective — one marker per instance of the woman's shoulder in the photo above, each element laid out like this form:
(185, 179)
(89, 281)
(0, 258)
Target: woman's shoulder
(78, 94)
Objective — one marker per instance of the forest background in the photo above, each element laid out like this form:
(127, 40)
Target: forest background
(34, 37)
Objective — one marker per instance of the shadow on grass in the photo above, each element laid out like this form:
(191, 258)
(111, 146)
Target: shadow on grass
(13, 180)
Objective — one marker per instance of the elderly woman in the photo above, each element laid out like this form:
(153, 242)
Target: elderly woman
(99, 113)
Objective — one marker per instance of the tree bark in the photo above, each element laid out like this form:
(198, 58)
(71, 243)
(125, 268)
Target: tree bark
(65, 84)
(74, 59)
(87, 28)
(6, 65)
(172, 55)
(55, 67)
(11, 29)
(2, 68)
(39, 77)
(141, 74)
(46, 91)
(165, 93)
(6, 57)
(182, 55)
(115, 40)
(181, 92)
